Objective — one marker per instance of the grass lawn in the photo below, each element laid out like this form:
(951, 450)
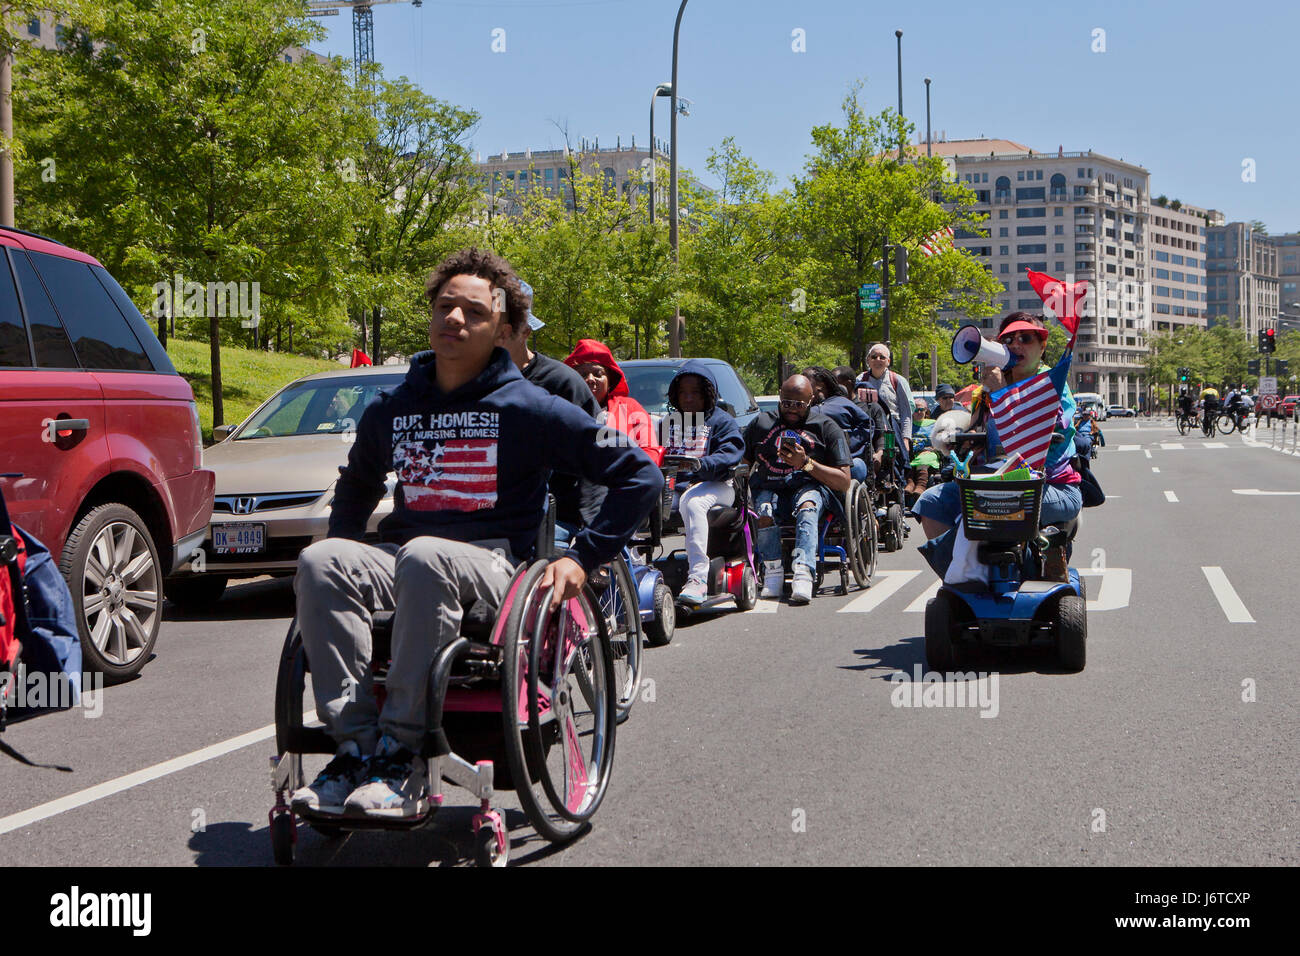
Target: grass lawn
(248, 376)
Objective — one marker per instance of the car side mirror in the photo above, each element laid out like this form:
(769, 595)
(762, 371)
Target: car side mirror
(221, 432)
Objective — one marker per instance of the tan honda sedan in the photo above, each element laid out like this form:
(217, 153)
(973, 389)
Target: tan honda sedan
(275, 480)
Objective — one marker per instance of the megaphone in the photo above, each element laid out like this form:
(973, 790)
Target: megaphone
(970, 346)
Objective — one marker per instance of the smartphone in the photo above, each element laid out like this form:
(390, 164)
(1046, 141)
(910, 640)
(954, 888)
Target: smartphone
(789, 440)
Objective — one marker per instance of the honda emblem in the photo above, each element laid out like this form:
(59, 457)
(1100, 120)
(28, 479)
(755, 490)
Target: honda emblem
(244, 506)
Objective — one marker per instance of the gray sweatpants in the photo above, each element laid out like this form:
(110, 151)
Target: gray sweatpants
(428, 582)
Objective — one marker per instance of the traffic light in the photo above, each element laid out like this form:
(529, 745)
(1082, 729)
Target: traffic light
(1283, 367)
(1267, 340)
(1252, 366)
(1184, 375)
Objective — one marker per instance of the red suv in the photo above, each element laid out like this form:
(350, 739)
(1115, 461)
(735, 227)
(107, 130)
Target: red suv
(99, 444)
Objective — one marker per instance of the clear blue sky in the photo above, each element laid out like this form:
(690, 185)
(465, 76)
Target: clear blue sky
(1187, 89)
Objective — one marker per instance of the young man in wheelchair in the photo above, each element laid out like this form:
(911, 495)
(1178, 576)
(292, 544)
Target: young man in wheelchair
(472, 445)
(799, 454)
(699, 428)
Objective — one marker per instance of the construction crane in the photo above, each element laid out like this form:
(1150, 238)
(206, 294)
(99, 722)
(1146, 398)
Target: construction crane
(363, 27)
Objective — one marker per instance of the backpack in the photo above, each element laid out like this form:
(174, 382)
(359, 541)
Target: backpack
(13, 616)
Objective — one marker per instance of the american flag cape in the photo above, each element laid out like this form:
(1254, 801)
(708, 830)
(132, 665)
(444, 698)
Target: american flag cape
(1024, 414)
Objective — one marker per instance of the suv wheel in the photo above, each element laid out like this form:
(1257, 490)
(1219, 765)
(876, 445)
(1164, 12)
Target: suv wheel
(112, 568)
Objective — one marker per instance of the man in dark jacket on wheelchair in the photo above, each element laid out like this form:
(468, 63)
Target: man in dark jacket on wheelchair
(472, 445)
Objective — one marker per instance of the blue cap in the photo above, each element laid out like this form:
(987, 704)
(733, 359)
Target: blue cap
(534, 322)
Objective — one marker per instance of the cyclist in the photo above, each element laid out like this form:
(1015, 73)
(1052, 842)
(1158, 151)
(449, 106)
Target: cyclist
(697, 426)
(472, 444)
(1237, 404)
(1210, 404)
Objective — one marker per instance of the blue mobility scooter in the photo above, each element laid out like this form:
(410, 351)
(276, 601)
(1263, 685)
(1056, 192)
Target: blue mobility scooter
(1016, 608)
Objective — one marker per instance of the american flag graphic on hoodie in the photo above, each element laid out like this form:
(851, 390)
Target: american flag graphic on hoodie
(454, 475)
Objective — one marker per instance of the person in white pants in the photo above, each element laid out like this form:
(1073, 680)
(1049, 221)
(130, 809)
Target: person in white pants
(698, 428)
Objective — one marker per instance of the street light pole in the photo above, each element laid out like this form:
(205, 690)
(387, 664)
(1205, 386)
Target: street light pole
(663, 89)
(6, 124)
(927, 117)
(674, 333)
(898, 35)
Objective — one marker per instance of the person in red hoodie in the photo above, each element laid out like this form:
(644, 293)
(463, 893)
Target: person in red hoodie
(595, 363)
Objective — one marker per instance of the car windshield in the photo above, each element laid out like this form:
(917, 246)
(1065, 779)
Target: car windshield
(648, 384)
(318, 406)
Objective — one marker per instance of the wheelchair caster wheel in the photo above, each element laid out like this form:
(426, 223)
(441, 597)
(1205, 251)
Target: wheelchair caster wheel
(491, 841)
(283, 836)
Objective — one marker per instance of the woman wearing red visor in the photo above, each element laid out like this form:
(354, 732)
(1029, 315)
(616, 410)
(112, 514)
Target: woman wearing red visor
(1025, 336)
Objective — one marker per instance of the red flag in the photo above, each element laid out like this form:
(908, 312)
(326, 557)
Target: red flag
(360, 358)
(1066, 299)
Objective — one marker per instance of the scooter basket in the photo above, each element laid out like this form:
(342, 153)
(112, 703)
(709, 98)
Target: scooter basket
(1000, 510)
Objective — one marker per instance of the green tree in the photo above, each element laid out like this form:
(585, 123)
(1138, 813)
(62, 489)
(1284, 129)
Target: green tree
(416, 179)
(185, 144)
(738, 298)
(854, 197)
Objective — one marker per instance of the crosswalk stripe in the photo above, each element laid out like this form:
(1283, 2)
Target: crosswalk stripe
(766, 606)
(1171, 497)
(1227, 597)
(1171, 445)
(1215, 444)
(1129, 448)
(879, 592)
(923, 598)
(1113, 592)
(1155, 469)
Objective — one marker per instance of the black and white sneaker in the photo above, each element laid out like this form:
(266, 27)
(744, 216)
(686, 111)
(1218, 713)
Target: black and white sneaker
(332, 785)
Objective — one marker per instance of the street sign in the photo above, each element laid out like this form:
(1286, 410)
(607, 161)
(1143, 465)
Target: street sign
(869, 296)
(1269, 401)
(1268, 385)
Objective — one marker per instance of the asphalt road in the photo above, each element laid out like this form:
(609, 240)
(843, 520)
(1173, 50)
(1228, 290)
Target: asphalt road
(773, 737)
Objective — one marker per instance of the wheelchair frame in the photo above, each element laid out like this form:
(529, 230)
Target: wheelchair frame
(510, 680)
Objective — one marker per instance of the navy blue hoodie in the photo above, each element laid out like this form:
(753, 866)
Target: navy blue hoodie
(473, 464)
(713, 436)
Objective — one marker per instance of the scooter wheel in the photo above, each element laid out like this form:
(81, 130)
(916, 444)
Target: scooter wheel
(1072, 633)
(940, 653)
(747, 599)
(659, 630)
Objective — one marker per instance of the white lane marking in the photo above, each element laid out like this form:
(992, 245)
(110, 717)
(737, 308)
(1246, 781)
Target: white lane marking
(1155, 469)
(765, 606)
(1170, 496)
(1114, 591)
(879, 592)
(1108, 497)
(920, 602)
(1147, 452)
(1215, 444)
(1129, 448)
(1227, 596)
(110, 787)
(1171, 446)
(1256, 491)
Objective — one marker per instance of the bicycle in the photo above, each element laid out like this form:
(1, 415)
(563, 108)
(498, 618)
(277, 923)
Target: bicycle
(1186, 422)
(1208, 427)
